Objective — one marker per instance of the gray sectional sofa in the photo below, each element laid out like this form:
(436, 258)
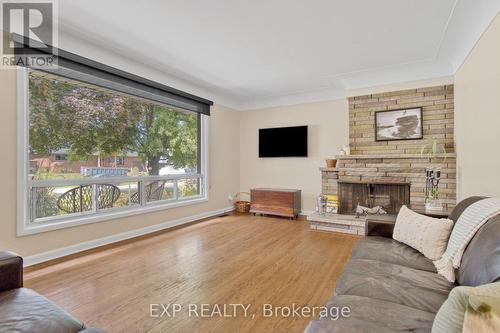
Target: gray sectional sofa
(23, 310)
(390, 287)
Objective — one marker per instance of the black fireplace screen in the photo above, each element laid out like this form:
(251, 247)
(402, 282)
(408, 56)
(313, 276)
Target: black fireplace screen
(390, 196)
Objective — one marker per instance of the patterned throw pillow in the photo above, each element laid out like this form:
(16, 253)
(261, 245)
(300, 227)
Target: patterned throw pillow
(479, 306)
(425, 234)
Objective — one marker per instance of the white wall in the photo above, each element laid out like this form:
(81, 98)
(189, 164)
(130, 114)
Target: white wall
(477, 115)
(328, 131)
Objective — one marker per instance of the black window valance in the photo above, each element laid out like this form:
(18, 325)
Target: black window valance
(82, 69)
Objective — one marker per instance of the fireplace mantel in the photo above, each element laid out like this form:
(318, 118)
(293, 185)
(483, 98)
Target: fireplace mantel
(375, 182)
(394, 156)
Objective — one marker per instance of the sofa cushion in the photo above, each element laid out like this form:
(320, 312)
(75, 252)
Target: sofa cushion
(402, 285)
(371, 315)
(481, 259)
(428, 235)
(23, 310)
(11, 271)
(450, 317)
(391, 251)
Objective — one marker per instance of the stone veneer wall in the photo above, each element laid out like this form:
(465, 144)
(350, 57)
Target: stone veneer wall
(399, 161)
(329, 179)
(438, 123)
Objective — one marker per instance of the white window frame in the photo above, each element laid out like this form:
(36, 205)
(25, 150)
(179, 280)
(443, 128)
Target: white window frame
(24, 224)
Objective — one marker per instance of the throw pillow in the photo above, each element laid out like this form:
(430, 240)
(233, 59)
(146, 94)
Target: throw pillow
(482, 315)
(471, 303)
(425, 234)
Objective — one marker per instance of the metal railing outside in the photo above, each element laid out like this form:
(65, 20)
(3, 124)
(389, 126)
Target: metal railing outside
(49, 199)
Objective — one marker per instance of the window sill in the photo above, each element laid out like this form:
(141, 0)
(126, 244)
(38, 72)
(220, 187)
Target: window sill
(74, 221)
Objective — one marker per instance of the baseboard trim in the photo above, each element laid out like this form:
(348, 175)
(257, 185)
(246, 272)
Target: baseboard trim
(88, 245)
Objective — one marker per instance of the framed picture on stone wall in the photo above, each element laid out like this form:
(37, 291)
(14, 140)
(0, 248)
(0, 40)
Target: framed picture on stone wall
(402, 124)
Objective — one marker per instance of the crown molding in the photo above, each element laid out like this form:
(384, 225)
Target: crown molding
(437, 81)
(469, 21)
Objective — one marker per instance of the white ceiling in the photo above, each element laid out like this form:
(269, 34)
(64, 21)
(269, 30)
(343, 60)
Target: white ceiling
(268, 52)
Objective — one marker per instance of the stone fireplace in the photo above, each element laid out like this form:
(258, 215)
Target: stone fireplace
(392, 173)
(406, 169)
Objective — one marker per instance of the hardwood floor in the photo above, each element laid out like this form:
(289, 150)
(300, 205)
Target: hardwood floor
(227, 260)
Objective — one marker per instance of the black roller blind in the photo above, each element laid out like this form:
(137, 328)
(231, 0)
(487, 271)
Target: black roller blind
(82, 69)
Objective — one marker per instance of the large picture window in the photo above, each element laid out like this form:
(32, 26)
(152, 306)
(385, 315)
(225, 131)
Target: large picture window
(94, 153)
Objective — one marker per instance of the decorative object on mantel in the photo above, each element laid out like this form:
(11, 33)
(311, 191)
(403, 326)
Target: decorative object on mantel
(432, 175)
(403, 124)
(241, 206)
(331, 163)
(431, 149)
(332, 203)
(364, 211)
(327, 204)
(346, 150)
(321, 204)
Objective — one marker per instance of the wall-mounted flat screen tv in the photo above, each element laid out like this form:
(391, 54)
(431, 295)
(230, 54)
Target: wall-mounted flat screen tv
(283, 142)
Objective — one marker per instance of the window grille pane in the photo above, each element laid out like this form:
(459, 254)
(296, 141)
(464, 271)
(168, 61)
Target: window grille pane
(159, 190)
(61, 200)
(189, 188)
(118, 195)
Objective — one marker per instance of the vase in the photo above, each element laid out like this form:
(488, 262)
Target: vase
(331, 163)
(434, 205)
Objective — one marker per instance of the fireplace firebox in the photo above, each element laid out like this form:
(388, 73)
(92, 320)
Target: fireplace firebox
(389, 195)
